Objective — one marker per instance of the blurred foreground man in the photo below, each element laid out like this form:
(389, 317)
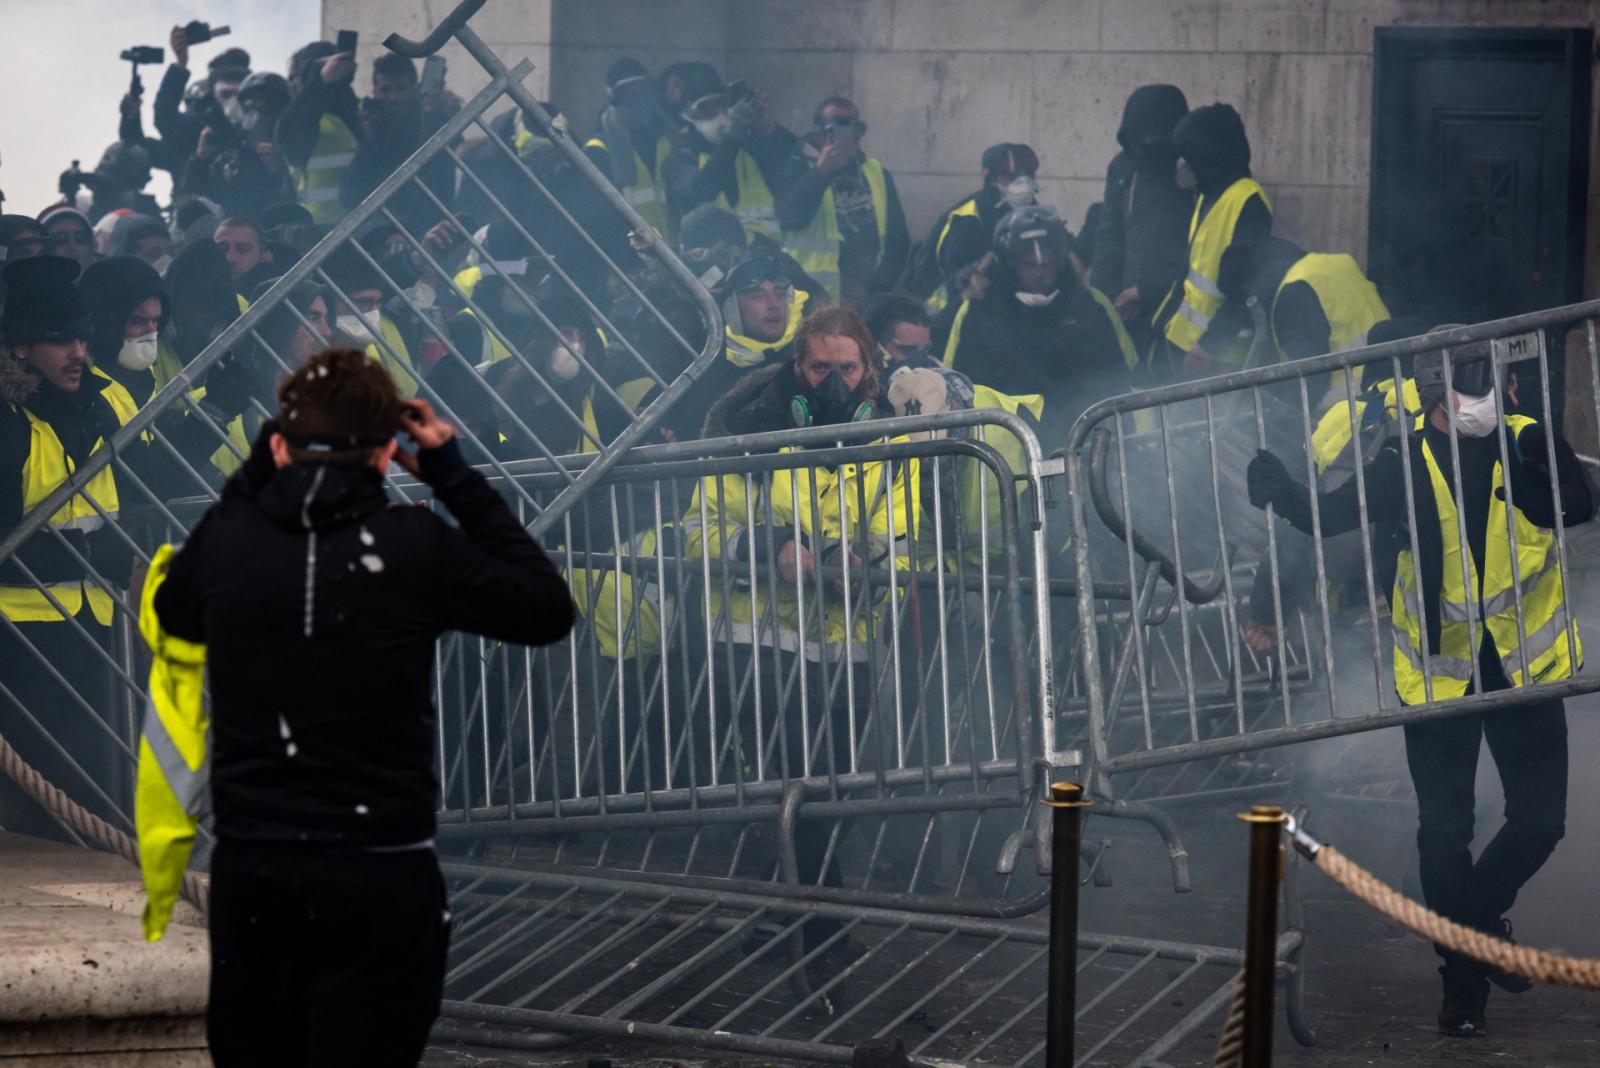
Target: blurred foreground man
(319, 602)
(1528, 743)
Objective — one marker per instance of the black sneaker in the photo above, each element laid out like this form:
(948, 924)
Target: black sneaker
(1461, 1013)
(1510, 982)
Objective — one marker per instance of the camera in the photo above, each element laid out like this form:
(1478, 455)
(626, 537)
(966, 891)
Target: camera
(143, 55)
(198, 32)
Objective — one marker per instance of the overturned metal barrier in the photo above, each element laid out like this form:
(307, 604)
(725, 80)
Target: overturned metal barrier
(74, 679)
(1340, 681)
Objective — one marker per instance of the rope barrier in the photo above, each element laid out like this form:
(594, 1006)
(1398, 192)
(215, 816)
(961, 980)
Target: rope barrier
(86, 824)
(1535, 964)
(1230, 1048)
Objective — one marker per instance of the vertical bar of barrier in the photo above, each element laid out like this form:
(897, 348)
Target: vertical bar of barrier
(1511, 518)
(1366, 538)
(1275, 570)
(1469, 588)
(1323, 593)
(1067, 804)
(1261, 932)
(1141, 656)
(1555, 499)
(1178, 575)
(1231, 602)
(1404, 421)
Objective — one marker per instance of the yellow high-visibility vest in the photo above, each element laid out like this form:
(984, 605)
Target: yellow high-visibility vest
(399, 364)
(757, 209)
(45, 469)
(1210, 234)
(1349, 300)
(1543, 657)
(316, 185)
(816, 248)
(967, 209)
(647, 192)
(174, 757)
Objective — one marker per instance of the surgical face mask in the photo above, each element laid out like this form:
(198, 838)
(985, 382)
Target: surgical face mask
(139, 353)
(1038, 300)
(563, 364)
(714, 130)
(1021, 191)
(356, 327)
(1476, 417)
(1185, 175)
(161, 263)
(233, 110)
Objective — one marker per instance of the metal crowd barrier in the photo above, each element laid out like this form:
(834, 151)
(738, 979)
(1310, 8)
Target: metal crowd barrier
(1145, 699)
(76, 685)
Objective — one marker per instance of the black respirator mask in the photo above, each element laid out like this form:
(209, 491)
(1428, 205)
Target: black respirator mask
(831, 403)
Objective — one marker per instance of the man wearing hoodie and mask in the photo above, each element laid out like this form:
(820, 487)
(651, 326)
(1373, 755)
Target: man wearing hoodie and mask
(1231, 207)
(728, 151)
(963, 235)
(1438, 612)
(632, 145)
(1038, 329)
(1140, 247)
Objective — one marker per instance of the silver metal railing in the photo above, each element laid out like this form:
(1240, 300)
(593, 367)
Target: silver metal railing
(1180, 686)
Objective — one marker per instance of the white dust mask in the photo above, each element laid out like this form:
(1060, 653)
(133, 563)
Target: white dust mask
(356, 328)
(1477, 416)
(1021, 191)
(139, 353)
(1037, 300)
(714, 130)
(563, 364)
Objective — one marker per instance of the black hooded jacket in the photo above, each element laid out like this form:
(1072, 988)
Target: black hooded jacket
(1144, 226)
(112, 288)
(1213, 141)
(319, 601)
(1070, 351)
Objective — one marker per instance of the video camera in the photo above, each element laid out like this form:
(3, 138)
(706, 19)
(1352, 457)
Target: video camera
(141, 55)
(198, 32)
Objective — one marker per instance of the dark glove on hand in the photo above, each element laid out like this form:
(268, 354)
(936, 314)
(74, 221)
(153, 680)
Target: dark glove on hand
(1267, 480)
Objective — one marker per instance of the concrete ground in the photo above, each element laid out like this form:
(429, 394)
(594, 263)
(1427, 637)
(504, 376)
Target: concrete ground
(1372, 987)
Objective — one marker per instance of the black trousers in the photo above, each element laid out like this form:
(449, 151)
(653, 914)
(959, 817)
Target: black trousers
(323, 959)
(1529, 747)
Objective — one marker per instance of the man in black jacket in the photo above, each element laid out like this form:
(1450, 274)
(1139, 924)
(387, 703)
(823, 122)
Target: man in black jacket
(1521, 636)
(1143, 234)
(319, 602)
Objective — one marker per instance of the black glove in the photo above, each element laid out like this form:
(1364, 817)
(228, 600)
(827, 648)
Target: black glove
(1268, 480)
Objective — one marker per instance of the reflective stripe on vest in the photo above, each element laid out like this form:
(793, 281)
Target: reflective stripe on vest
(816, 248)
(317, 184)
(1349, 301)
(967, 209)
(757, 210)
(1543, 656)
(1210, 234)
(647, 192)
(45, 469)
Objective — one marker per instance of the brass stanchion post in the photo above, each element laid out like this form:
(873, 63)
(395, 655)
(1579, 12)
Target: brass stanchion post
(1261, 932)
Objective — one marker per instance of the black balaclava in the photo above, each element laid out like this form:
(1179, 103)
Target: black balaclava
(1148, 119)
(1213, 141)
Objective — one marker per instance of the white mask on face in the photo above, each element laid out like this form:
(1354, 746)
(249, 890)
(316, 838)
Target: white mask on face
(1476, 417)
(1021, 191)
(563, 364)
(233, 110)
(714, 130)
(355, 327)
(139, 353)
(1038, 300)
(161, 263)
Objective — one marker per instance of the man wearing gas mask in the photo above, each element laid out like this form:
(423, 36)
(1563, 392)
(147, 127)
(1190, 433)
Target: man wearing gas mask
(1203, 336)
(1140, 246)
(728, 151)
(962, 235)
(1037, 328)
(1449, 596)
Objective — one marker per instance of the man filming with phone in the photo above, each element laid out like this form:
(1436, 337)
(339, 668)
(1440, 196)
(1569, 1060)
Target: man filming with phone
(319, 601)
(838, 208)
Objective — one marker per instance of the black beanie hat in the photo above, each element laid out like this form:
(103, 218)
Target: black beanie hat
(111, 289)
(42, 304)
